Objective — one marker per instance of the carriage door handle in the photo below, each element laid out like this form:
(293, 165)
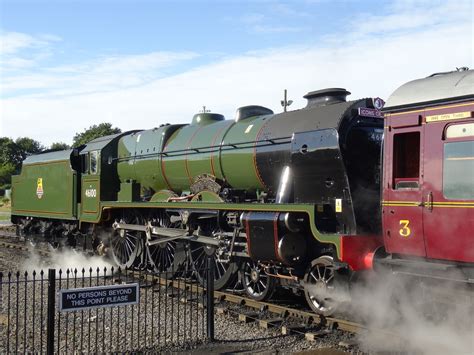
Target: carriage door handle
(429, 201)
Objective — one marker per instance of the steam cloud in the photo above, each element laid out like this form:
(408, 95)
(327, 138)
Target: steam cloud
(65, 259)
(427, 318)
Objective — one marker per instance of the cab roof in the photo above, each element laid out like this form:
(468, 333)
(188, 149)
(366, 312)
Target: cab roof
(101, 142)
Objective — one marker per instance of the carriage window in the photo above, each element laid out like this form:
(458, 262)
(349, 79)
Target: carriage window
(460, 130)
(94, 161)
(406, 160)
(458, 170)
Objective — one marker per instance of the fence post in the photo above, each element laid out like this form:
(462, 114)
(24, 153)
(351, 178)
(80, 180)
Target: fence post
(51, 311)
(210, 297)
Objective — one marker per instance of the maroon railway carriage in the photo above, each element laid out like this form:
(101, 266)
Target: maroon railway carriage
(428, 177)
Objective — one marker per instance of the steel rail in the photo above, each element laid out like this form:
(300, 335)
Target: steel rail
(280, 310)
(221, 296)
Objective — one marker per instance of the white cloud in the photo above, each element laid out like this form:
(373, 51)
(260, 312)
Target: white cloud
(12, 42)
(252, 18)
(268, 29)
(103, 74)
(21, 50)
(406, 15)
(370, 66)
(288, 10)
(258, 23)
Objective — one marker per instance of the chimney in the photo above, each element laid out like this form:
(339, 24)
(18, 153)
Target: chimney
(326, 97)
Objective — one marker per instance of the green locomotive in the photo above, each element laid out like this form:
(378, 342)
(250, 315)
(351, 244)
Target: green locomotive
(274, 199)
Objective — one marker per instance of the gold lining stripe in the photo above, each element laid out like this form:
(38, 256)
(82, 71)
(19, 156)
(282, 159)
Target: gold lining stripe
(454, 206)
(440, 202)
(454, 203)
(461, 158)
(50, 162)
(434, 204)
(39, 212)
(398, 205)
(430, 108)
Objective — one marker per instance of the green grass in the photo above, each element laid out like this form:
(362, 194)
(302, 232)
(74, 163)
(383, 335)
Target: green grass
(4, 217)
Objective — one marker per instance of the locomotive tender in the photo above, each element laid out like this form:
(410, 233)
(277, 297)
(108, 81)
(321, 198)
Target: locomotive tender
(302, 199)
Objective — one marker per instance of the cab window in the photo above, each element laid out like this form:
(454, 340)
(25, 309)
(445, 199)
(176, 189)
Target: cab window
(85, 163)
(94, 162)
(458, 163)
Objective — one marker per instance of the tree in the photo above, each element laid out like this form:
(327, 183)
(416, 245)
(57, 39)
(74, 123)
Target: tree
(6, 172)
(60, 146)
(10, 152)
(28, 146)
(93, 132)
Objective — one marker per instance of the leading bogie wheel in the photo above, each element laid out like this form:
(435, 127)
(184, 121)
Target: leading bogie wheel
(257, 284)
(319, 286)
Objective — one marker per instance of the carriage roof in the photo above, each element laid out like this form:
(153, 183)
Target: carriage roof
(437, 88)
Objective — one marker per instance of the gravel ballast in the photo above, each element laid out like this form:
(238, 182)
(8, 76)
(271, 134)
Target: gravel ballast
(135, 328)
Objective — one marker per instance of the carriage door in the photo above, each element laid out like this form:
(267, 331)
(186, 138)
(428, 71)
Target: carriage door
(402, 203)
(448, 190)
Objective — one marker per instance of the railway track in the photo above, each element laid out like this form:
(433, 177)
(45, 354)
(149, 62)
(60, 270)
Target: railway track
(269, 315)
(290, 320)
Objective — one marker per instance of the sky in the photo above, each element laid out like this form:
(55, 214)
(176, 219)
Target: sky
(66, 65)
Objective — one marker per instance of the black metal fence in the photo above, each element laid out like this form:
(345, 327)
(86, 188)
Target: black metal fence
(171, 312)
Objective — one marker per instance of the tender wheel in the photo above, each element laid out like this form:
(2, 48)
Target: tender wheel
(126, 246)
(224, 273)
(319, 286)
(257, 284)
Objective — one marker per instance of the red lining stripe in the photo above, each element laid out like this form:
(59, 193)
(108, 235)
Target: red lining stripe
(186, 154)
(212, 146)
(255, 158)
(275, 235)
(163, 172)
(247, 231)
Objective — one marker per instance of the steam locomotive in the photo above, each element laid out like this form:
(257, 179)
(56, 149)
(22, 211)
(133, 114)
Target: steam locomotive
(303, 199)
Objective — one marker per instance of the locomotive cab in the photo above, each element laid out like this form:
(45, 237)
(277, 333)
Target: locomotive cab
(99, 181)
